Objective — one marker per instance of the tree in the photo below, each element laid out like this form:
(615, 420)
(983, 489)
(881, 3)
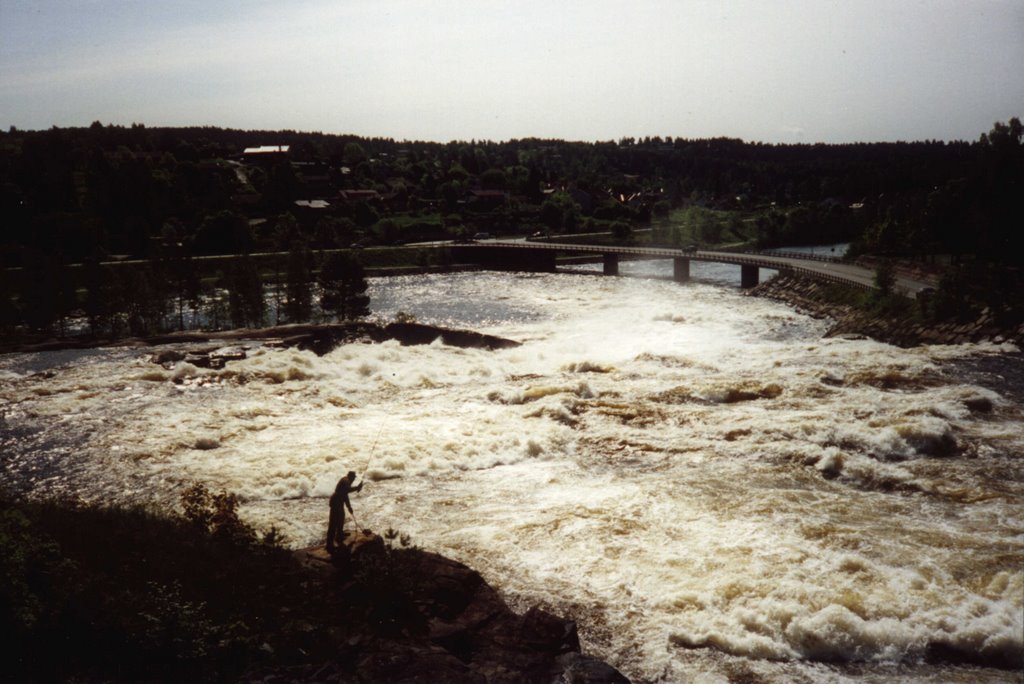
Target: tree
(560, 212)
(708, 227)
(141, 300)
(1006, 136)
(286, 231)
(45, 293)
(621, 231)
(298, 287)
(178, 270)
(387, 231)
(885, 278)
(493, 179)
(354, 155)
(282, 187)
(245, 293)
(343, 286)
(9, 316)
(99, 296)
(331, 232)
(226, 232)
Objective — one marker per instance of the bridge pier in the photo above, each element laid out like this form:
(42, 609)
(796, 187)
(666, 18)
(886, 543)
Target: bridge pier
(749, 276)
(680, 269)
(611, 264)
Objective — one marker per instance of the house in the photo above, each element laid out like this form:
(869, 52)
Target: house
(265, 153)
(312, 204)
(486, 200)
(315, 178)
(358, 195)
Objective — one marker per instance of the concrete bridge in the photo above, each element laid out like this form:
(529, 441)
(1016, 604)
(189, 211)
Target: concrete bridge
(540, 256)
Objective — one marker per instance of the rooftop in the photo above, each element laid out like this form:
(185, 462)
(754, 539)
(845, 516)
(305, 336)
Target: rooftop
(267, 149)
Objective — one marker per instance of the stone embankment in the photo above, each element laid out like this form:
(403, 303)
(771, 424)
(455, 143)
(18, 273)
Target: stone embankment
(442, 623)
(809, 296)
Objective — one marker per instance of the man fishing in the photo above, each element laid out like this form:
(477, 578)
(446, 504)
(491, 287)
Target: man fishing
(339, 502)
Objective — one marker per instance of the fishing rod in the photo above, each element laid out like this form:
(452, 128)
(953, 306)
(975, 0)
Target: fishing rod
(373, 447)
(369, 460)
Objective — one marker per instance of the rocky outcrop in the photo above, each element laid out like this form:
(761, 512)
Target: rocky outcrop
(441, 622)
(205, 357)
(808, 296)
(320, 339)
(417, 333)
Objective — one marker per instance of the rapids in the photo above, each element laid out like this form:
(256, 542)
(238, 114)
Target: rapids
(710, 488)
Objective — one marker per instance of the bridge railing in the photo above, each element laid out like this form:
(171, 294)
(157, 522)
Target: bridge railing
(795, 255)
(827, 277)
(565, 247)
(600, 249)
(658, 251)
(752, 258)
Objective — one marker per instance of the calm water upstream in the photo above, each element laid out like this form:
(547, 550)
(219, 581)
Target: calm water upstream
(712, 490)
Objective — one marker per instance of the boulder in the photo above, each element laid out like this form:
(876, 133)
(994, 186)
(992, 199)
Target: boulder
(418, 333)
(167, 357)
(462, 630)
(979, 404)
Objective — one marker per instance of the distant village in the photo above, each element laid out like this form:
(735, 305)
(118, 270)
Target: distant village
(469, 204)
(191, 205)
(102, 191)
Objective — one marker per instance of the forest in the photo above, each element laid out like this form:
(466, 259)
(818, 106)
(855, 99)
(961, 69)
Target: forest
(134, 230)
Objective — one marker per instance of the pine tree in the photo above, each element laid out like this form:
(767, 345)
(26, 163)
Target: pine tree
(245, 293)
(343, 288)
(299, 284)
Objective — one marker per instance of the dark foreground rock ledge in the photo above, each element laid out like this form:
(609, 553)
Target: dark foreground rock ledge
(434, 620)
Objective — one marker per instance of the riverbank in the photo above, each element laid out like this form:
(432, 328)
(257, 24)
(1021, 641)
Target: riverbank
(129, 594)
(820, 300)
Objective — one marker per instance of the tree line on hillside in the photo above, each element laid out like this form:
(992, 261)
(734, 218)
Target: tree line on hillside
(85, 196)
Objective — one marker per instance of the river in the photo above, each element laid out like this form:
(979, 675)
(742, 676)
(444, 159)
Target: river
(713, 490)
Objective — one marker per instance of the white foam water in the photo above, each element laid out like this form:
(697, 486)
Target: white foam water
(710, 488)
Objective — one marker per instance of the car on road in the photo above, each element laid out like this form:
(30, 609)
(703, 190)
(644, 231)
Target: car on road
(482, 236)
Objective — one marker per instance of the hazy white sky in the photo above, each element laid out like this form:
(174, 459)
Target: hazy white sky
(768, 70)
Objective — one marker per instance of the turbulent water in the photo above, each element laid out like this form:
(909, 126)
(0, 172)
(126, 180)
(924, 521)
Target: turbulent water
(710, 488)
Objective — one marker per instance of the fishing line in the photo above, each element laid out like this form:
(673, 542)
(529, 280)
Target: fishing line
(373, 447)
(369, 460)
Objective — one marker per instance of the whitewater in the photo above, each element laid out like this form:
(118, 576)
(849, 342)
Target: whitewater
(708, 486)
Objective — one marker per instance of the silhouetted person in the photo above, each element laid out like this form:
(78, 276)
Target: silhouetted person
(339, 502)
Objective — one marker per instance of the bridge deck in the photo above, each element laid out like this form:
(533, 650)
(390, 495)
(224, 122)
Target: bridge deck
(822, 268)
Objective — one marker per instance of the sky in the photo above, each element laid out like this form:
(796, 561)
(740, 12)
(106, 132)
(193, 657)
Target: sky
(773, 71)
